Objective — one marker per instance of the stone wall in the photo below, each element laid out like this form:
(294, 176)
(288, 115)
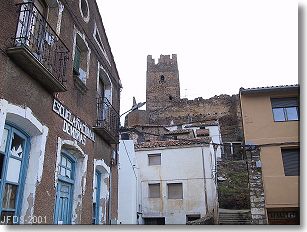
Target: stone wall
(257, 199)
(162, 82)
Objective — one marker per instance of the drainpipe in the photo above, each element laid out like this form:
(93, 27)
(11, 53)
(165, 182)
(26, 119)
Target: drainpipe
(113, 161)
(215, 146)
(110, 195)
(205, 181)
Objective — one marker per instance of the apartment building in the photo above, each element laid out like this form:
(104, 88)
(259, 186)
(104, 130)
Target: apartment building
(59, 104)
(271, 122)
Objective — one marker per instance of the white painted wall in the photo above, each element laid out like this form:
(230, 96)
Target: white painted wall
(186, 165)
(100, 165)
(127, 183)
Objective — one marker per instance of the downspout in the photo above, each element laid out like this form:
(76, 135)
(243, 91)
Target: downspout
(205, 182)
(113, 161)
(110, 194)
(215, 146)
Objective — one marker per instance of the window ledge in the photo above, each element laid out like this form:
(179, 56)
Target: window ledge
(79, 84)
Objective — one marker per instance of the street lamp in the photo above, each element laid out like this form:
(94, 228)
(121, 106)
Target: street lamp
(134, 107)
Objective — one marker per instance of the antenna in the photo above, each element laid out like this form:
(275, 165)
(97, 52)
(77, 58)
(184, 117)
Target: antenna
(185, 93)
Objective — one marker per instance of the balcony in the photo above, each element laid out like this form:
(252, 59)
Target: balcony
(107, 124)
(38, 50)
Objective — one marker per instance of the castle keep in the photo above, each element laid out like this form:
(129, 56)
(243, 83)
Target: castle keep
(164, 106)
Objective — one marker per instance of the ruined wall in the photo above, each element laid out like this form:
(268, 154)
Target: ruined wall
(137, 117)
(224, 108)
(165, 107)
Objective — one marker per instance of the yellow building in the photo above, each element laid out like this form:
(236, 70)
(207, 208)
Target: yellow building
(270, 118)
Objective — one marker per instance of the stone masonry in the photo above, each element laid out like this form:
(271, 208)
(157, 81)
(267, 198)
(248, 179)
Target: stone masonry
(258, 212)
(165, 107)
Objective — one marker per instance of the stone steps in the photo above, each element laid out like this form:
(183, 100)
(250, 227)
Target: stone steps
(234, 217)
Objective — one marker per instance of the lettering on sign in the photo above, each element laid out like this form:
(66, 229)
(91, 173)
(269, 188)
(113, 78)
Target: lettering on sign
(72, 125)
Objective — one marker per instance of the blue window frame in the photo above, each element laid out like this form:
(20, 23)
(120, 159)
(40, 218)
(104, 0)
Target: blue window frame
(65, 187)
(14, 152)
(96, 197)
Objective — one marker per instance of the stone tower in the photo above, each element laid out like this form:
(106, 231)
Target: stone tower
(162, 82)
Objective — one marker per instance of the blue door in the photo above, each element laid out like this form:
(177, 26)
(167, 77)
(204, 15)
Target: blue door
(64, 203)
(96, 197)
(64, 195)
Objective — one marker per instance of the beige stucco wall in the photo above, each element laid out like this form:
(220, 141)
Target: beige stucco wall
(280, 190)
(259, 128)
(259, 125)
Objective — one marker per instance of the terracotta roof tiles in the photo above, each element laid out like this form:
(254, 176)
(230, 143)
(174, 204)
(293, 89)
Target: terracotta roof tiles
(172, 143)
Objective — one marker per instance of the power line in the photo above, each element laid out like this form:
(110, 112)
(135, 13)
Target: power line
(250, 147)
(129, 158)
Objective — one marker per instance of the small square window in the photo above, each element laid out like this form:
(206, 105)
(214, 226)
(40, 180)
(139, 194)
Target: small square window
(154, 190)
(154, 159)
(175, 191)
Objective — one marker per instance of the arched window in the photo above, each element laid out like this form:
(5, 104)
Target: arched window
(64, 195)
(13, 164)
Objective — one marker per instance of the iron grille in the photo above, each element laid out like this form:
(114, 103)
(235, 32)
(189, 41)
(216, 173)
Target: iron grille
(108, 117)
(34, 33)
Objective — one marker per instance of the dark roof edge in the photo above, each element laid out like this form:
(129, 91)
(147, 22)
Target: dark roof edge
(269, 89)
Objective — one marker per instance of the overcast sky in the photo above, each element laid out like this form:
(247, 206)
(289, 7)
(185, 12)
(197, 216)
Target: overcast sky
(221, 45)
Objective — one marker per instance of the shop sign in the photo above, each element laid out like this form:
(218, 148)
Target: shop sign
(72, 124)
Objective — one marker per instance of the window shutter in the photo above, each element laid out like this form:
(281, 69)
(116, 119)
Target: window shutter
(154, 190)
(154, 159)
(291, 162)
(175, 191)
(284, 102)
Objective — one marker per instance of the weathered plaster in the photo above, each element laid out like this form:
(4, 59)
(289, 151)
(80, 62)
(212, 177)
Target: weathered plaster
(24, 119)
(80, 175)
(101, 166)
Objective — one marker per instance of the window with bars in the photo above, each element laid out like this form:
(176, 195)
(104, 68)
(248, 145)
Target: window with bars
(175, 191)
(154, 159)
(285, 109)
(291, 161)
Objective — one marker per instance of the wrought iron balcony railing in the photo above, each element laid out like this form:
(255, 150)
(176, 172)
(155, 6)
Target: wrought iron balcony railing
(107, 124)
(38, 49)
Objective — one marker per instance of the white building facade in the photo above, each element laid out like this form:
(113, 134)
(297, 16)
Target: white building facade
(127, 183)
(176, 181)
